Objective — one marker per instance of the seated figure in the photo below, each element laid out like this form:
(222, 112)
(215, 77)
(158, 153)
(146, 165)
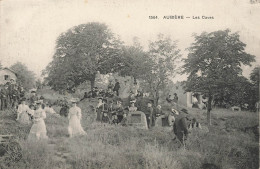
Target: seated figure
(132, 107)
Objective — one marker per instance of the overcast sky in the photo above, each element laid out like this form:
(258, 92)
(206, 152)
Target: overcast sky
(29, 28)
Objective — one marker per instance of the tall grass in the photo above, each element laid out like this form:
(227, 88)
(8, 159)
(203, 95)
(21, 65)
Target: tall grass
(117, 147)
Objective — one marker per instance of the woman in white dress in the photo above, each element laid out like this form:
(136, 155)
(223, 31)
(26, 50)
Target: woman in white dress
(74, 116)
(23, 112)
(38, 130)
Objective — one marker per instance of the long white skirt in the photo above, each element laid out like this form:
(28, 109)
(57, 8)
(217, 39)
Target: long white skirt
(75, 127)
(24, 118)
(38, 130)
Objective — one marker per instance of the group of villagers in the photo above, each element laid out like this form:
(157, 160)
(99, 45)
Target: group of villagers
(107, 111)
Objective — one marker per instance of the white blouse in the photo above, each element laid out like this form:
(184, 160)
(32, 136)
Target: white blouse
(74, 111)
(39, 114)
(22, 108)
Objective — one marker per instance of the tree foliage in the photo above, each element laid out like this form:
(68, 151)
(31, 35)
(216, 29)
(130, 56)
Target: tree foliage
(254, 76)
(134, 61)
(25, 77)
(214, 63)
(80, 53)
(154, 67)
(163, 54)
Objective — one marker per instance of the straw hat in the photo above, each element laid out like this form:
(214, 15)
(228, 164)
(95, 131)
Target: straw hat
(38, 102)
(132, 101)
(74, 100)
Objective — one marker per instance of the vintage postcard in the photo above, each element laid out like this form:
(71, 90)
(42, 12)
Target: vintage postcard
(126, 84)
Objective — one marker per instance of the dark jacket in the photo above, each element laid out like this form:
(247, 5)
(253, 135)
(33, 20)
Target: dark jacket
(117, 86)
(180, 127)
(3, 93)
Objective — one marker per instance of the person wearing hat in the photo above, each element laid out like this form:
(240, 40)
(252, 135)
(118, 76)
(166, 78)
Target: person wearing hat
(116, 87)
(11, 89)
(15, 96)
(33, 97)
(104, 118)
(38, 130)
(149, 113)
(118, 110)
(74, 116)
(158, 111)
(4, 97)
(132, 107)
(99, 109)
(23, 113)
(180, 127)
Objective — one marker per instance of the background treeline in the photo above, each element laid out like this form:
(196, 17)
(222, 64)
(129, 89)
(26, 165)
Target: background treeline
(213, 64)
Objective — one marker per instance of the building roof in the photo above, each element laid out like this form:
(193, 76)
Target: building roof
(9, 70)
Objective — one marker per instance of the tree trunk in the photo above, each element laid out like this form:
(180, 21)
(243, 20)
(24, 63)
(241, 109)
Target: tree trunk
(209, 107)
(156, 100)
(92, 81)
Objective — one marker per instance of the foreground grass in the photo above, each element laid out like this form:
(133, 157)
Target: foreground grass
(226, 145)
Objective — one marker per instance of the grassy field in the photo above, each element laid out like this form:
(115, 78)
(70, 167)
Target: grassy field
(226, 145)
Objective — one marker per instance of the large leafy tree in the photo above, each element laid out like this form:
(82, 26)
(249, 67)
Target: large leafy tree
(80, 53)
(163, 54)
(214, 63)
(134, 62)
(25, 77)
(254, 77)
(154, 67)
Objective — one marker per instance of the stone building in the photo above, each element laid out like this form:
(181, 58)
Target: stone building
(6, 75)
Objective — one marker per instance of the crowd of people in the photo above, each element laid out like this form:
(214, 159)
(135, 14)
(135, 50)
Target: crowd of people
(10, 94)
(110, 109)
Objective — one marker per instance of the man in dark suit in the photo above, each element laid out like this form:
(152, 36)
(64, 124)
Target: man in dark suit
(117, 87)
(4, 97)
(149, 114)
(180, 127)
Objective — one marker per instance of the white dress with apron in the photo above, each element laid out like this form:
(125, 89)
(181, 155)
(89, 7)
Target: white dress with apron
(38, 130)
(75, 127)
(23, 114)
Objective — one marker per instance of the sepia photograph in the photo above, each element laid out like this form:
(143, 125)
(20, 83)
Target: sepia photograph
(129, 84)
